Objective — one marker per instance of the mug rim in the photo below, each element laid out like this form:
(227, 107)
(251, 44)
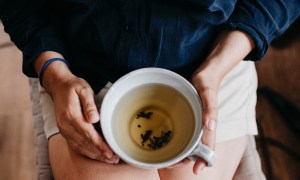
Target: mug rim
(197, 111)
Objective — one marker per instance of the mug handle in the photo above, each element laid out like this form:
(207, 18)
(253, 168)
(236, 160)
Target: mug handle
(205, 153)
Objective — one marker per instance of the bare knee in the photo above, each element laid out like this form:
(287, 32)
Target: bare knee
(66, 164)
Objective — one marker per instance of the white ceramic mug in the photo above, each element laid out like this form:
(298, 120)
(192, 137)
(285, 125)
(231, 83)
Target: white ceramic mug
(122, 130)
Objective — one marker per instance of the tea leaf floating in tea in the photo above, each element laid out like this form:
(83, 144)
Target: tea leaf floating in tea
(158, 142)
(146, 136)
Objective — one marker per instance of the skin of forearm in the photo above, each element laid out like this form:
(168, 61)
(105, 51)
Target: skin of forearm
(229, 49)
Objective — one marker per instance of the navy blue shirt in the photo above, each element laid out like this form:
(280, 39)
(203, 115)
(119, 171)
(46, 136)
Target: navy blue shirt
(104, 39)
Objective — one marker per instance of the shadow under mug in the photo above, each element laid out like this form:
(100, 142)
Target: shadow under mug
(145, 91)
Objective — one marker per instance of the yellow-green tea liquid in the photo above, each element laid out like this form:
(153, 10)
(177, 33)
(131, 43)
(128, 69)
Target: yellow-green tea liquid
(170, 112)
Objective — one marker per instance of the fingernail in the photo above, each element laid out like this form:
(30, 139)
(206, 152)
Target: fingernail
(115, 160)
(107, 155)
(211, 124)
(201, 167)
(109, 161)
(93, 116)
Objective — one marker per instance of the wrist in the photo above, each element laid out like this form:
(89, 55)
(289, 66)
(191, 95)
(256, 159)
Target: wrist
(56, 73)
(210, 72)
(51, 71)
(207, 78)
(229, 49)
(43, 58)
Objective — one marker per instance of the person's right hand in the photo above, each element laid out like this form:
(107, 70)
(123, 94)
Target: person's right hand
(75, 111)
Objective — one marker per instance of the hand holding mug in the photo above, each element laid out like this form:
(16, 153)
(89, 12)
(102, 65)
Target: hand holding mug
(224, 56)
(75, 109)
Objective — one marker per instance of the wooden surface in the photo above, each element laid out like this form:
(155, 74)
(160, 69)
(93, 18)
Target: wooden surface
(280, 71)
(17, 155)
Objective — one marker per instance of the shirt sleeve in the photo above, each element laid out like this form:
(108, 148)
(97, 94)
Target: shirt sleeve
(31, 29)
(263, 20)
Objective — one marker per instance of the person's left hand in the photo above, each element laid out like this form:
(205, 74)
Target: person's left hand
(207, 85)
(224, 56)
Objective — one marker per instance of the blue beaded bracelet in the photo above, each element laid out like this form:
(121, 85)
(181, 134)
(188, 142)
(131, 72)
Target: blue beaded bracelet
(47, 64)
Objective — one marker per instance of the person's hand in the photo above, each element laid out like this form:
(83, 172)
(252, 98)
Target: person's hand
(207, 85)
(76, 112)
(229, 49)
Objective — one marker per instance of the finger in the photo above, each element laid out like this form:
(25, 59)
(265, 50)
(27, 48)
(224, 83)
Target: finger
(210, 113)
(78, 143)
(209, 99)
(86, 96)
(209, 139)
(88, 131)
(106, 152)
(73, 116)
(89, 151)
(78, 147)
(199, 166)
(84, 146)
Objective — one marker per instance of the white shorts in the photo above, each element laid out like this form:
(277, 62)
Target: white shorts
(237, 100)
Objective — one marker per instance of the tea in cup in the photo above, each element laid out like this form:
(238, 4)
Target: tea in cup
(152, 118)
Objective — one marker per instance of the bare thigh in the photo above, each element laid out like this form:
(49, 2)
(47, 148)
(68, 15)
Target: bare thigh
(229, 155)
(66, 164)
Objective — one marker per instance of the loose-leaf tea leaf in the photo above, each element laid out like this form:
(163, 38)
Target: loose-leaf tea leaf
(158, 142)
(153, 142)
(146, 136)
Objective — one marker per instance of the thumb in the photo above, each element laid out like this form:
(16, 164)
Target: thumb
(209, 99)
(210, 113)
(86, 96)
